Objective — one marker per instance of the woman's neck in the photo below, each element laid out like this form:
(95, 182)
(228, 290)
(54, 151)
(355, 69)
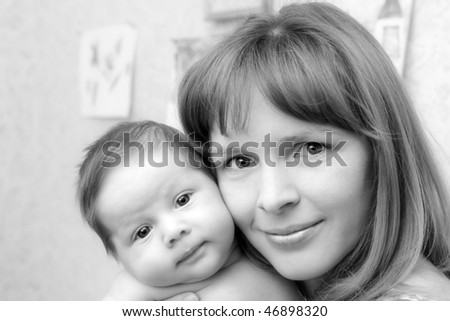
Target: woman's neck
(310, 287)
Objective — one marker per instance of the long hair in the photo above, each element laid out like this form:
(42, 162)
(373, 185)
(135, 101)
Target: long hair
(315, 63)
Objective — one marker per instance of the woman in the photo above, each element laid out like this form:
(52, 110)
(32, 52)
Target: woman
(327, 173)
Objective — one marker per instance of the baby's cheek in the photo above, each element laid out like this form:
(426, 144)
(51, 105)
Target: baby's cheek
(155, 274)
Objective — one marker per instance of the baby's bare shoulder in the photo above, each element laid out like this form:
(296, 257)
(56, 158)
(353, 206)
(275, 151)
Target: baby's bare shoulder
(126, 288)
(244, 281)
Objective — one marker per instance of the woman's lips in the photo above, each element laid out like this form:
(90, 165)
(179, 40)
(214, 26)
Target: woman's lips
(192, 254)
(291, 235)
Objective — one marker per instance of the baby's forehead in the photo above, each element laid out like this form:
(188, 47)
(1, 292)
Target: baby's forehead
(131, 194)
(152, 174)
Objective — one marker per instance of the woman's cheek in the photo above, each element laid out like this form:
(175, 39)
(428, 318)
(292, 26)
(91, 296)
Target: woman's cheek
(238, 201)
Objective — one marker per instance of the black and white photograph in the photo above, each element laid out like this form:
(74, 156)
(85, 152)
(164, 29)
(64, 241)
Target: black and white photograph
(288, 154)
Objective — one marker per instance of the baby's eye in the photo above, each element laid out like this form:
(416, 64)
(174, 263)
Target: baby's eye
(241, 162)
(143, 232)
(183, 200)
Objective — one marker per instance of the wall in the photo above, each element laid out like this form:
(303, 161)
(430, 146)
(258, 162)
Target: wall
(46, 251)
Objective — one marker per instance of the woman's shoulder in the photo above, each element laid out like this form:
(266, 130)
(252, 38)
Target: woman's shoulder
(407, 293)
(395, 295)
(425, 283)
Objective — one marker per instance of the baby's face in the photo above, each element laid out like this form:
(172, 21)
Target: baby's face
(169, 225)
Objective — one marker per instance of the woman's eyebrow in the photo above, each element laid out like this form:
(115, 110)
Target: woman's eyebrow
(312, 134)
(218, 150)
(231, 147)
(301, 135)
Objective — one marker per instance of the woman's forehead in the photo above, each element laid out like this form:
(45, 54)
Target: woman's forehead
(263, 120)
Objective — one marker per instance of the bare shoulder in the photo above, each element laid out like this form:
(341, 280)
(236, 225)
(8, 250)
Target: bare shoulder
(126, 288)
(243, 281)
(240, 281)
(425, 283)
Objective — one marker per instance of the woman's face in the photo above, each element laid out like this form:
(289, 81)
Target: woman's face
(297, 190)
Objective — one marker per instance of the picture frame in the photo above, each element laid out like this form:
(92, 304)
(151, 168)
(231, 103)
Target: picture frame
(106, 70)
(222, 10)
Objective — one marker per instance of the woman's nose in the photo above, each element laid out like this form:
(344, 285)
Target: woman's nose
(277, 189)
(173, 232)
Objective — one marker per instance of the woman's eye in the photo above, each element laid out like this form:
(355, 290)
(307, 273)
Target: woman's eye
(241, 162)
(183, 200)
(314, 148)
(143, 232)
(311, 148)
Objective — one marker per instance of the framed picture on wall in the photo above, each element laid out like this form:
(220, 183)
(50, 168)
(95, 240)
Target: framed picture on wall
(187, 52)
(392, 30)
(106, 69)
(218, 10)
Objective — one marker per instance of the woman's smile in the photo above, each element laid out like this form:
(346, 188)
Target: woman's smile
(292, 236)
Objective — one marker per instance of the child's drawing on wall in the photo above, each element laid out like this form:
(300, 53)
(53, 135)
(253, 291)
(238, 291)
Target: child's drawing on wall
(106, 68)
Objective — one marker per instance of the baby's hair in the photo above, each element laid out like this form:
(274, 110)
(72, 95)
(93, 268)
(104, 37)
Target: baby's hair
(315, 63)
(96, 164)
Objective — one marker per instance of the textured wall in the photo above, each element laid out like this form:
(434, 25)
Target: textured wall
(46, 252)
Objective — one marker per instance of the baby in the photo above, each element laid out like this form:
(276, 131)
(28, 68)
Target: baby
(146, 193)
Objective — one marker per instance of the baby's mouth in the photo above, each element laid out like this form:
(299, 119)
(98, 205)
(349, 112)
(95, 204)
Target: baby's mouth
(191, 254)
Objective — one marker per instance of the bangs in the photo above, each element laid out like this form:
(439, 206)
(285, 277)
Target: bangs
(303, 74)
(212, 95)
(308, 83)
